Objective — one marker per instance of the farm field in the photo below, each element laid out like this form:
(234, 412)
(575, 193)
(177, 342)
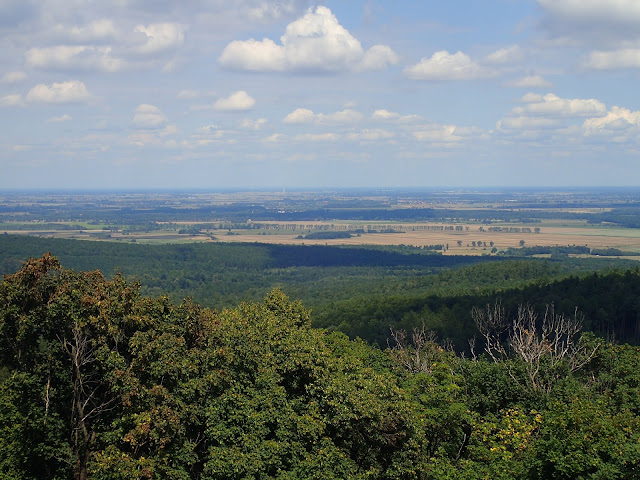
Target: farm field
(405, 234)
(624, 239)
(461, 222)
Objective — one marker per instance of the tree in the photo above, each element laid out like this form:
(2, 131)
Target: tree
(59, 333)
(522, 243)
(548, 349)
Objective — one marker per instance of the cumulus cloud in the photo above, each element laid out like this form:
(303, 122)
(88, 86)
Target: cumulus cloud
(14, 100)
(530, 81)
(86, 49)
(299, 115)
(159, 37)
(74, 57)
(614, 59)
(149, 116)
(73, 91)
(370, 135)
(154, 137)
(343, 116)
(315, 42)
(304, 115)
(525, 123)
(618, 118)
(239, 101)
(208, 134)
(11, 78)
(377, 57)
(552, 105)
(447, 66)
(556, 119)
(96, 31)
(250, 124)
(512, 54)
(387, 116)
(267, 11)
(446, 134)
(383, 114)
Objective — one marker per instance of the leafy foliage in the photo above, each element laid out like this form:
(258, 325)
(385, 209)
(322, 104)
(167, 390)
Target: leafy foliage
(98, 381)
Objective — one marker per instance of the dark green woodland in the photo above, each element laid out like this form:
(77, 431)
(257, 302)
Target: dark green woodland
(103, 378)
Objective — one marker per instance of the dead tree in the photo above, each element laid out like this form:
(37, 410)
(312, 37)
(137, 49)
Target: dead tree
(548, 348)
(492, 324)
(417, 354)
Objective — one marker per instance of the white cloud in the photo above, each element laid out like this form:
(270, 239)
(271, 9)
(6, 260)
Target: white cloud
(239, 101)
(387, 116)
(98, 30)
(530, 81)
(552, 105)
(318, 137)
(531, 98)
(512, 54)
(525, 123)
(60, 119)
(208, 134)
(343, 116)
(254, 55)
(154, 138)
(618, 118)
(315, 42)
(275, 138)
(267, 11)
(11, 78)
(250, 124)
(614, 59)
(300, 115)
(73, 91)
(446, 66)
(304, 115)
(159, 37)
(14, 100)
(149, 116)
(377, 57)
(370, 135)
(74, 57)
(441, 133)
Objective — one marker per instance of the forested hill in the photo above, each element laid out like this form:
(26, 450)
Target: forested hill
(608, 303)
(361, 291)
(98, 381)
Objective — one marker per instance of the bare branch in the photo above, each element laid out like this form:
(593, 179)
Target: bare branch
(492, 324)
(418, 355)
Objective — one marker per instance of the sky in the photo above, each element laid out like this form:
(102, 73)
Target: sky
(206, 94)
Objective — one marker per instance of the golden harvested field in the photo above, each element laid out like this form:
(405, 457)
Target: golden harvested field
(282, 233)
(625, 239)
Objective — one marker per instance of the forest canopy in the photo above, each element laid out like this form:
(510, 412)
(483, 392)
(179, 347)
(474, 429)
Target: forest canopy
(99, 381)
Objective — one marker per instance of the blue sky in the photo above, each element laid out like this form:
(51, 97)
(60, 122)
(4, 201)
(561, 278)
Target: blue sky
(292, 93)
